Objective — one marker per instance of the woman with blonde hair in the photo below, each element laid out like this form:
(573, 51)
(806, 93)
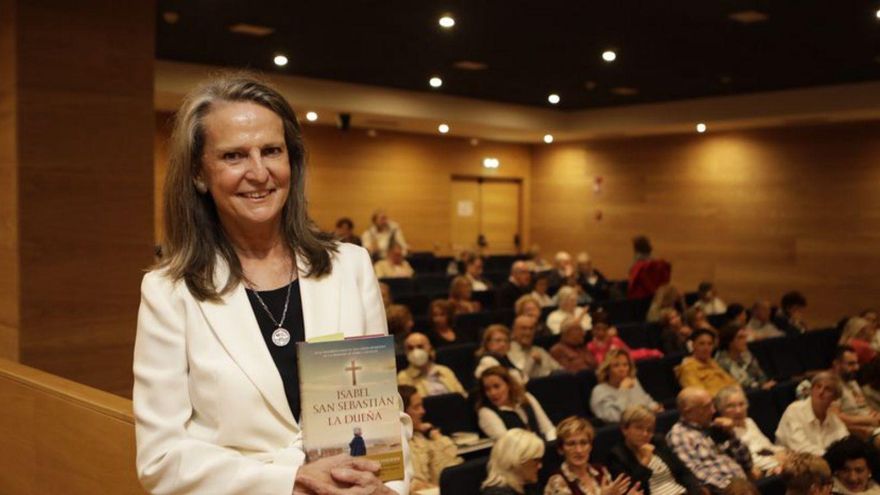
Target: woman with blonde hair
(514, 463)
(460, 293)
(858, 333)
(503, 404)
(568, 308)
(618, 388)
(576, 475)
(493, 352)
(529, 306)
(667, 296)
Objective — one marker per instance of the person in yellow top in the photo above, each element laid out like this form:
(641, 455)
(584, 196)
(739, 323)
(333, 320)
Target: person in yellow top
(700, 369)
(422, 373)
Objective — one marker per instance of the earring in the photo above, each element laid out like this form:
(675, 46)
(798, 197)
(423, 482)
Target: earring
(201, 187)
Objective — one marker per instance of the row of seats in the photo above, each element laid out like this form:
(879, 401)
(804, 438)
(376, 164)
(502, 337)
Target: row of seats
(424, 262)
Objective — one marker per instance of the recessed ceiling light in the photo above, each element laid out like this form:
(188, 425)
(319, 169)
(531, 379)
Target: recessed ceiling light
(624, 91)
(491, 162)
(609, 56)
(312, 116)
(748, 17)
(372, 133)
(435, 82)
(280, 60)
(548, 138)
(553, 98)
(877, 13)
(590, 85)
(446, 22)
(251, 29)
(701, 127)
(170, 17)
(475, 142)
(470, 65)
(443, 128)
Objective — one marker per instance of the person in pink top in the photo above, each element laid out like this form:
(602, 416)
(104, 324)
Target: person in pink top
(605, 338)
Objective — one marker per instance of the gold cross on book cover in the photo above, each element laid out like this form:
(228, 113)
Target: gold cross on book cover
(348, 391)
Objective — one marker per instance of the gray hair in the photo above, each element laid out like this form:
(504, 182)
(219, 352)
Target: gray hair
(830, 379)
(514, 448)
(724, 395)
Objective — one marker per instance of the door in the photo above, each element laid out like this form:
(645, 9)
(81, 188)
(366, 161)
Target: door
(487, 209)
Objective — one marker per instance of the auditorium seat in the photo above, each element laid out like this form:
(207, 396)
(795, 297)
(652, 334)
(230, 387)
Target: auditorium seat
(417, 303)
(422, 262)
(550, 463)
(460, 359)
(499, 263)
(560, 395)
(635, 335)
(658, 378)
(665, 420)
(400, 286)
(784, 361)
(464, 478)
(771, 485)
(486, 298)
(606, 438)
(451, 413)
(783, 395)
(433, 284)
(471, 324)
(546, 341)
(764, 410)
(816, 348)
(626, 310)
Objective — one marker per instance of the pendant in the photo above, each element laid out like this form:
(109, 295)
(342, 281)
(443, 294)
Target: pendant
(280, 337)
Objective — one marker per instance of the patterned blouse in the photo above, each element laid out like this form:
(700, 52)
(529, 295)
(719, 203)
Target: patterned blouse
(744, 369)
(558, 484)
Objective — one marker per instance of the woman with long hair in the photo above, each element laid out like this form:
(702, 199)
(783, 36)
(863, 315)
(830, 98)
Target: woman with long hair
(503, 404)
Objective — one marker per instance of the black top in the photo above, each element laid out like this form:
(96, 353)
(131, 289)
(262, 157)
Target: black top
(623, 460)
(284, 357)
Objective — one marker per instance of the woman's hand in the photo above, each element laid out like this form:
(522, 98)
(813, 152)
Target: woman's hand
(620, 486)
(339, 475)
(627, 383)
(645, 453)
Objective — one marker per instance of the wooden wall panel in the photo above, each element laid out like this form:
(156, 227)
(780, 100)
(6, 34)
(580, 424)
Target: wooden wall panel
(758, 212)
(63, 437)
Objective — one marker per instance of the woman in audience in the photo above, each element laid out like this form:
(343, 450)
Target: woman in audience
(394, 265)
(646, 458)
(576, 476)
(504, 404)
(400, 324)
(667, 296)
(442, 313)
(696, 319)
(570, 351)
(675, 335)
(431, 451)
(605, 338)
(699, 369)
(514, 463)
(735, 358)
(568, 308)
(529, 306)
(806, 474)
(428, 377)
(852, 462)
(539, 291)
(731, 402)
(618, 388)
(760, 324)
(473, 270)
(790, 317)
(493, 352)
(858, 333)
(460, 293)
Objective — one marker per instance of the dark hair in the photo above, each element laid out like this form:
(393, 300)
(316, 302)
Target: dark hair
(704, 331)
(848, 449)
(194, 237)
(733, 311)
(793, 298)
(642, 245)
(727, 334)
(516, 393)
(705, 287)
(406, 392)
(841, 350)
(345, 221)
(600, 316)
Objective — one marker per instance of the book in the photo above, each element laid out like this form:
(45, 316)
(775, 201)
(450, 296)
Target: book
(350, 404)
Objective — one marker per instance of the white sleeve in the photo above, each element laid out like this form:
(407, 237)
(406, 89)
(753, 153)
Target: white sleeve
(544, 423)
(792, 434)
(169, 460)
(490, 423)
(485, 363)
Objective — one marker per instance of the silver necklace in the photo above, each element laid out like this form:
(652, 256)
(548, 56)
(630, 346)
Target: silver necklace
(280, 337)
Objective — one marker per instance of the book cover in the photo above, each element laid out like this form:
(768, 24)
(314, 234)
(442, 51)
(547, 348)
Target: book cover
(349, 399)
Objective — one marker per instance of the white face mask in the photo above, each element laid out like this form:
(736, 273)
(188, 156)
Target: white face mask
(417, 357)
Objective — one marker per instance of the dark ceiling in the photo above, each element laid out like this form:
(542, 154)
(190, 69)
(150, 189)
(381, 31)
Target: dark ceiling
(666, 49)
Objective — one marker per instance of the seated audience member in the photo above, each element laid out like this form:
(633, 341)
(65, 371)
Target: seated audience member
(563, 268)
(570, 352)
(535, 261)
(736, 313)
(456, 264)
(646, 275)
(576, 475)
(674, 335)
(345, 231)
(473, 270)
(790, 317)
(605, 338)
(699, 369)
(514, 463)
(381, 235)
(708, 300)
(460, 293)
(806, 474)
(667, 296)
(735, 358)
(646, 458)
(431, 451)
(854, 409)
(423, 373)
(504, 404)
(591, 280)
(807, 424)
(400, 324)
(393, 265)
(528, 306)
(858, 333)
(732, 403)
(493, 352)
(852, 462)
(760, 325)
(539, 292)
(709, 448)
(442, 313)
(533, 360)
(387, 298)
(568, 308)
(517, 285)
(618, 388)
(872, 316)
(696, 319)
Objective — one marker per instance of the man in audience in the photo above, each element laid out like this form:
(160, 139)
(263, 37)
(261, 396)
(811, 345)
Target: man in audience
(570, 352)
(790, 317)
(563, 268)
(394, 265)
(806, 474)
(646, 274)
(708, 300)
(760, 325)
(854, 409)
(709, 448)
(473, 270)
(422, 373)
(516, 286)
(807, 424)
(851, 461)
(345, 231)
(591, 280)
(378, 238)
(533, 360)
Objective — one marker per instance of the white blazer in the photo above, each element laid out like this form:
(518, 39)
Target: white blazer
(211, 416)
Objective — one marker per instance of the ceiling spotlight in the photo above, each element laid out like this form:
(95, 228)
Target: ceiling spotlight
(446, 22)
(170, 17)
(435, 82)
(553, 98)
(548, 138)
(701, 127)
(877, 13)
(311, 116)
(443, 128)
(372, 133)
(475, 142)
(280, 60)
(491, 162)
(609, 56)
